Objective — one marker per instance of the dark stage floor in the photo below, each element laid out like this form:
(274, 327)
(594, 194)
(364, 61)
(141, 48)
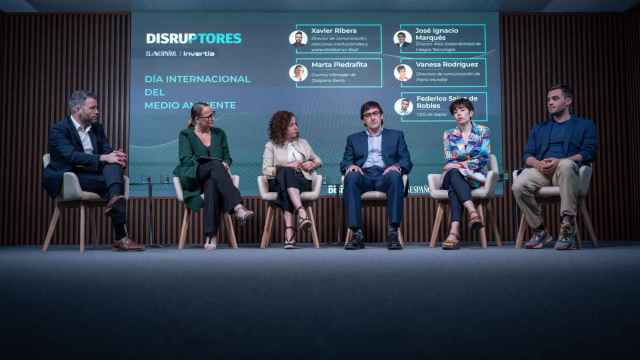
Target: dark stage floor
(321, 303)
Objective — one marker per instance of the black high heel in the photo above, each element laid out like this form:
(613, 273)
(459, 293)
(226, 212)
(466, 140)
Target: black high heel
(302, 221)
(291, 242)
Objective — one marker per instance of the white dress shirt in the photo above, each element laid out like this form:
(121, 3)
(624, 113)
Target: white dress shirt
(84, 136)
(374, 158)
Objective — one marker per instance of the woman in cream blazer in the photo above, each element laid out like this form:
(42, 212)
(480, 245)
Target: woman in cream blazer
(289, 163)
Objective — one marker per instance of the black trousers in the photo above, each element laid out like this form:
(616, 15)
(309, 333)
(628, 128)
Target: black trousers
(287, 177)
(459, 192)
(219, 194)
(107, 181)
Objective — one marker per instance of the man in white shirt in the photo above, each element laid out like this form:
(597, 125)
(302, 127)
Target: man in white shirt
(78, 144)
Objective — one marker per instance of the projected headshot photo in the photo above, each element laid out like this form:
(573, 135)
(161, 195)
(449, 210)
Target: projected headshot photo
(403, 107)
(298, 72)
(403, 72)
(402, 38)
(298, 38)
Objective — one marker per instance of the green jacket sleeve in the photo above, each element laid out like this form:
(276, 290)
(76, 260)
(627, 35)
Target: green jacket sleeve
(226, 157)
(187, 172)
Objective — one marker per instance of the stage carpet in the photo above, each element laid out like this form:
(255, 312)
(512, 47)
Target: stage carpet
(321, 303)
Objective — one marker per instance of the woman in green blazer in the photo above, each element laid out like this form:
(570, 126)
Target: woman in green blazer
(204, 167)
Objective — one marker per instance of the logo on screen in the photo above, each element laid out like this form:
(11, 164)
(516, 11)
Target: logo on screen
(193, 38)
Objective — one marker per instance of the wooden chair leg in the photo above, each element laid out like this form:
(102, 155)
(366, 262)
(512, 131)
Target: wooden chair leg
(588, 223)
(83, 214)
(491, 212)
(483, 230)
(231, 232)
(348, 236)
(578, 235)
(93, 224)
(52, 228)
(436, 224)
(186, 219)
(268, 225)
(400, 237)
(521, 230)
(314, 229)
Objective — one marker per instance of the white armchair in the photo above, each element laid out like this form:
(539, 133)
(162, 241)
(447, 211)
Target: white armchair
(483, 196)
(186, 217)
(72, 196)
(376, 198)
(307, 197)
(551, 194)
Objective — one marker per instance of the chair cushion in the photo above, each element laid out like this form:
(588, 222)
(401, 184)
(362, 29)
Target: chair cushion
(314, 194)
(374, 195)
(486, 191)
(584, 182)
(235, 179)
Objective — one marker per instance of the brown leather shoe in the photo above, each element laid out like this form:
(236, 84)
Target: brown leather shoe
(126, 244)
(109, 206)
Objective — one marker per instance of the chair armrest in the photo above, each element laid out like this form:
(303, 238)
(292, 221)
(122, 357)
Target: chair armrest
(235, 179)
(514, 176)
(71, 189)
(434, 181)
(316, 186)
(490, 183)
(178, 188)
(585, 179)
(263, 186)
(126, 186)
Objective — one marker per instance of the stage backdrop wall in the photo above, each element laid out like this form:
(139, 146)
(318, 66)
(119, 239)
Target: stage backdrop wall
(46, 56)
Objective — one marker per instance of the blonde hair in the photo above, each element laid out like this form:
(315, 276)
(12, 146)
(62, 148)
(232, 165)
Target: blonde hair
(196, 109)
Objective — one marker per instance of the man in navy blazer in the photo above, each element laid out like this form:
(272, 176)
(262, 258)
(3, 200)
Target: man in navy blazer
(374, 160)
(555, 150)
(78, 144)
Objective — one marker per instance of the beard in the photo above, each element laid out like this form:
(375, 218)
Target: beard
(558, 112)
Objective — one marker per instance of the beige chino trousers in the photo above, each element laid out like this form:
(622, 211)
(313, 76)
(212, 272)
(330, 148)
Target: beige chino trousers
(531, 180)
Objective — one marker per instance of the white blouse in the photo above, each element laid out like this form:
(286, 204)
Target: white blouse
(294, 155)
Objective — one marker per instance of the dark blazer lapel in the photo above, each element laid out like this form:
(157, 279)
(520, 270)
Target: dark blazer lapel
(94, 141)
(360, 145)
(74, 133)
(383, 142)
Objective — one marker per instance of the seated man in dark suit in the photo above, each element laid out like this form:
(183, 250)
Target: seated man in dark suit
(78, 144)
(374, 160)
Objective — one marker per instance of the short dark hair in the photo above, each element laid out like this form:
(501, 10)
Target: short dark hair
(402, 33)
(298, 33)
(567, 91)
(401, 67)
(459, 103)
(369, 105)
(78, 98)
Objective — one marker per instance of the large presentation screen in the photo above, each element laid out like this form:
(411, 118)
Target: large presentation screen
(320, 66)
